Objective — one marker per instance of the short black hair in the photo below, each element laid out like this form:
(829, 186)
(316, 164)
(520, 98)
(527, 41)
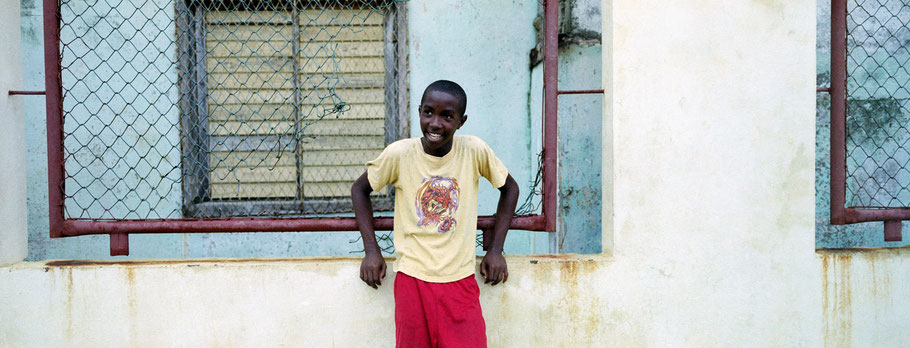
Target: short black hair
(450, 88)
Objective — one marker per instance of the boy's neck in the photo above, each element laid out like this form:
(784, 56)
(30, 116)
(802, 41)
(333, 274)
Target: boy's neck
(440, 152)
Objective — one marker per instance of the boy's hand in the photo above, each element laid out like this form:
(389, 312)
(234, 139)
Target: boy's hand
(372, 269)
(493, 268)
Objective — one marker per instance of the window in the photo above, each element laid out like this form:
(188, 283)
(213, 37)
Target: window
(282, 103)
(863, 123)
(188, 116)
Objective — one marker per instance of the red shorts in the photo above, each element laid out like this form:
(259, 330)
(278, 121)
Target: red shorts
(438, 314)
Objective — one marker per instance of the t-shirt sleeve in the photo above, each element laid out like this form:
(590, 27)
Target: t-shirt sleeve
(490, 166)
(383, 170)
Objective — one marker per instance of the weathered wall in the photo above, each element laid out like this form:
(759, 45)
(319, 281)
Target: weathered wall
(548, 302)
(13, 239)
(710, 214)
(712, 171)
(866, 297)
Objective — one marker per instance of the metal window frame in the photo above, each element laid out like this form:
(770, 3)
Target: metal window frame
(119, 230)
(196, 186)
(840, 213)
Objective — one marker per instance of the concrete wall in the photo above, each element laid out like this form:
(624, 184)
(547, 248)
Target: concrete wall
(13, 238)
(709, 211)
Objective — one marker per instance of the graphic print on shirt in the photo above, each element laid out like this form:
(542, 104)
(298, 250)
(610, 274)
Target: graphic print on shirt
(437, 201)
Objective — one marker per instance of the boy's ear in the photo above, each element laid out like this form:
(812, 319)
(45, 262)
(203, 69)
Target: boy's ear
(464, 118)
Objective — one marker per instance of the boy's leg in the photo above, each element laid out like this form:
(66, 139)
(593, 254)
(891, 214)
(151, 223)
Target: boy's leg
(411, 328)
(459, 320)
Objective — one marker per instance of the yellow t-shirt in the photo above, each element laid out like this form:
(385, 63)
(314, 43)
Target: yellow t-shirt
(436, 204)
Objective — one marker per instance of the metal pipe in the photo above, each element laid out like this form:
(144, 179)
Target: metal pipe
(550, 126)
(823, 89)
(838, 110)
(855, 215)
(85, 227)
(26, 92)
(582, 91)
(54, 102)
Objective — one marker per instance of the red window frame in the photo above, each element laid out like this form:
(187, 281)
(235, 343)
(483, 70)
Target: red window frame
(840, 213)
(119, 230)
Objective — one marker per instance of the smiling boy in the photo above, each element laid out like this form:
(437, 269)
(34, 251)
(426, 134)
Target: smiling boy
(436, 181)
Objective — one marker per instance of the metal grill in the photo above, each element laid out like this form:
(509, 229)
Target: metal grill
(878, 104)
(197, 116)
(209, 109)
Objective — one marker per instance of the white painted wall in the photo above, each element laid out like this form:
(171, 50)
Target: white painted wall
(712, 227)
(14, 235)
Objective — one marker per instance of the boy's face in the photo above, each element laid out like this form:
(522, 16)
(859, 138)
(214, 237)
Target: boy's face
(439, 119)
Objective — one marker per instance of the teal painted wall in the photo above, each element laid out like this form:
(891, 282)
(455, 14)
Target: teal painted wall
(580, 160)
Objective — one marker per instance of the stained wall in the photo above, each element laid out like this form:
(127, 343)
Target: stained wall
(709, 214)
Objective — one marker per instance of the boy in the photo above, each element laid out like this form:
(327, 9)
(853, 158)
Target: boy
(436, 177)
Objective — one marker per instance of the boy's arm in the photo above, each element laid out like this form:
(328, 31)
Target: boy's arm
(372, 268)
(493, 267)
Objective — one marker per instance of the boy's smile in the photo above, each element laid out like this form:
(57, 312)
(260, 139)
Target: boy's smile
(440, 116)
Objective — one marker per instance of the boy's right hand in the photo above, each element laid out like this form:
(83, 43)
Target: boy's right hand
(372, 269)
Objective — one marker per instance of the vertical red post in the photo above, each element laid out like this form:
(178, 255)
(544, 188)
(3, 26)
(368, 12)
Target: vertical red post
(54, 100)
(120, 244)
(893, 231)
(838, 109)
(550, 88)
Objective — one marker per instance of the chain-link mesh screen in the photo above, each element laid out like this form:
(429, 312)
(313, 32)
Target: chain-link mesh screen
(200, 108)
(878, 104)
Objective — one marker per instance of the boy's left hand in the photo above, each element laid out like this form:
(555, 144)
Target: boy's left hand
(493, 268)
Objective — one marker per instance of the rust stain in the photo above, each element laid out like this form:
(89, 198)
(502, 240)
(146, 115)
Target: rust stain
(131, 303)
(881, 281)
(838, 312)
(872, 260)
(582, 309)
(68, 305)
(825, 282)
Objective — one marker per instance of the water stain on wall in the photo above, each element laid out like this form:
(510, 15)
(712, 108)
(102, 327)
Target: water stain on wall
(68, 303)
(838, 299)
(578, 302)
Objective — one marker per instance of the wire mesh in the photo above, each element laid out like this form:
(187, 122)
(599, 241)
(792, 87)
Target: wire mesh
(878, 104)
(207, 109)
